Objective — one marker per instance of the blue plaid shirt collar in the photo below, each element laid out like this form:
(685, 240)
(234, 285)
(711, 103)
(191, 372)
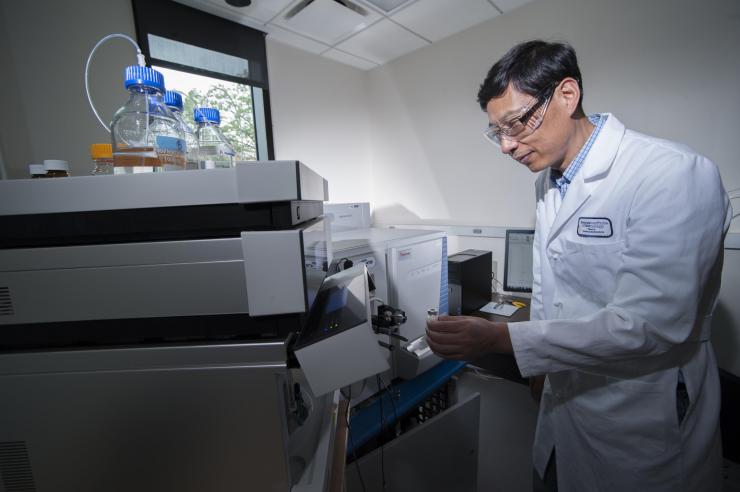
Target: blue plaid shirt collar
(562, 180)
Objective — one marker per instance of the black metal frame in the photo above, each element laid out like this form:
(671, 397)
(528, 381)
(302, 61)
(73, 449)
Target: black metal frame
(178, 22)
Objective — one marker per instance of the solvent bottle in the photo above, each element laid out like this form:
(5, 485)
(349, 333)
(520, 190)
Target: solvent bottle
(215, 150)
(145, 135)
(173, 100)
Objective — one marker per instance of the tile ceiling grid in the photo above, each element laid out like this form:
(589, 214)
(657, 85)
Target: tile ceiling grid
(317, 46)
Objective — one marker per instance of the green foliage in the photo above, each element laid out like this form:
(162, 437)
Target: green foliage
(234, 101)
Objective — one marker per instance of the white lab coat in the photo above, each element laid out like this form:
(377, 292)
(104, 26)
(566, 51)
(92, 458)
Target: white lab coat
(619, 309)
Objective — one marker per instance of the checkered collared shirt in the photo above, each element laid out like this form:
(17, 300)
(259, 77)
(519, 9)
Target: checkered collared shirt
(562, 180)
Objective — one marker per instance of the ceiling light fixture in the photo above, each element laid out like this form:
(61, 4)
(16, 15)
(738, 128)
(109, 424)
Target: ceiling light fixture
(239, 3)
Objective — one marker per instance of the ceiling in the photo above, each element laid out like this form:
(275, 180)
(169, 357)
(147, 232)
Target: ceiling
(361, 33)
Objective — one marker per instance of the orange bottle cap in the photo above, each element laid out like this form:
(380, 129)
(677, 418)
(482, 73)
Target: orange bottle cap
(101, 151)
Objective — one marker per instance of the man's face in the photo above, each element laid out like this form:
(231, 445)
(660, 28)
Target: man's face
(543, 148)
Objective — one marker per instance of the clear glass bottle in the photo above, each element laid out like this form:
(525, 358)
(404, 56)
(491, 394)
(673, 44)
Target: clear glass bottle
(145, 135)
(173, 100)
(215, 150)
(56, 169)
(37, 171)
(102, 156)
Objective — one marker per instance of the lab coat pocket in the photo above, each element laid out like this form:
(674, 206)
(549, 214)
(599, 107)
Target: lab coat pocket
(589, 269)
(625, 419)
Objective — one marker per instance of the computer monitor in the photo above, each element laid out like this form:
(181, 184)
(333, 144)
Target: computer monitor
(518, 263)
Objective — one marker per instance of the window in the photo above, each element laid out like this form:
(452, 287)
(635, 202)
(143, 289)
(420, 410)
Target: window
(214, 63)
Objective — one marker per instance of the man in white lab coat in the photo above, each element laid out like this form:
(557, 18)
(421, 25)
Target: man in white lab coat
(627, 263)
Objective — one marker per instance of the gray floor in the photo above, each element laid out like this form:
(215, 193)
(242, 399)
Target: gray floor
(507, 422)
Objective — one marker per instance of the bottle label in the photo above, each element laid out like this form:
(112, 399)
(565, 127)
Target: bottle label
(172, 144)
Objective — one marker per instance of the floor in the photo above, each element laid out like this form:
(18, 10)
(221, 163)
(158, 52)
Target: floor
(508, 416)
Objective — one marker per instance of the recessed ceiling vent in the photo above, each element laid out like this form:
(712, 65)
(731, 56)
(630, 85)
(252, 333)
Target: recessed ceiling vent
(305, 3)
(326, 20)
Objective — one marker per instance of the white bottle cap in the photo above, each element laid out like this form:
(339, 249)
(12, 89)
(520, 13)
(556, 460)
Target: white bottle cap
(54, 165)
(35, 169)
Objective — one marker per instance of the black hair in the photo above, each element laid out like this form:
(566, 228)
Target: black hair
(533, 68)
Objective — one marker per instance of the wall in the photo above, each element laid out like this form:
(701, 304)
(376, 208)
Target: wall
(45, 45)
(663, 67)
(320, 116)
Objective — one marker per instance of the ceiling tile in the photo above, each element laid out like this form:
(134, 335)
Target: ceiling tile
(348, 59)
(438, 19)
(295, 40)
(327, 21)
(507, 5)
(382, 42)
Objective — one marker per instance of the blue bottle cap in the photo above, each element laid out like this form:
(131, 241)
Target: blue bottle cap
(146, 76)
(173, 99)
(207, 114)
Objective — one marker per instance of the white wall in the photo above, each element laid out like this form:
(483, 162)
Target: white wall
(320, 116)
(670, 68)
(43, 48)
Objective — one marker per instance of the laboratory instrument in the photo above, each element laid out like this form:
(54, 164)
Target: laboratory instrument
(348, 216)
(409, 270)
(470, 280)
(165, 342)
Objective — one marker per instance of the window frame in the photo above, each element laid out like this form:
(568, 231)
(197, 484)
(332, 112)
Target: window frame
(189, 25)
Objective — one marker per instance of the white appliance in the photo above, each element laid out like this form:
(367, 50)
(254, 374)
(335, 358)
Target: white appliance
(347, 216)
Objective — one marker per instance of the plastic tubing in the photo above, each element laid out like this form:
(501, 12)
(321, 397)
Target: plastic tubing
(139, 58)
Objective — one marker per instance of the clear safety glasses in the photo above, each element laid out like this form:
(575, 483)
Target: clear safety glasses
(521, 125)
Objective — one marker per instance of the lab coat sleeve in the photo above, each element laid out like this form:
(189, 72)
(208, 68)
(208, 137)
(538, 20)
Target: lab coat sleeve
(535, 309)
(673, 242)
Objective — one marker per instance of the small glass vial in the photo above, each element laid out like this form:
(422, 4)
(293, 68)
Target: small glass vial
(56, 169)
(37, 171)
(431, 314)
(102, 156)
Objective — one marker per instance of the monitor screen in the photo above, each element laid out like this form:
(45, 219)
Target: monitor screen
(518, 263)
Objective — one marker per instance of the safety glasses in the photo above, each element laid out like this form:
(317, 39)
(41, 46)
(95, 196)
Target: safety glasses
(522, 124)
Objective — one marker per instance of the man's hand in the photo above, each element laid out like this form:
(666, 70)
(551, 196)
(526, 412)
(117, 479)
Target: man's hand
(467, 337)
